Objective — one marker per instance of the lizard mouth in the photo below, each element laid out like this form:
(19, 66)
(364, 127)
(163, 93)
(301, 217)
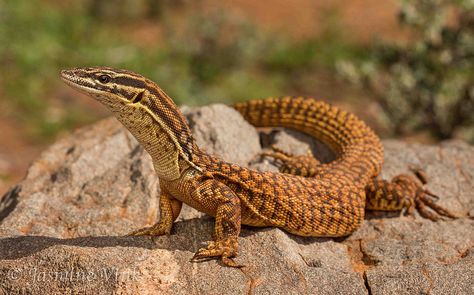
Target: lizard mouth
(73, 79)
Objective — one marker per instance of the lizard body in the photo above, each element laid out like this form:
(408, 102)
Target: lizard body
(310, 199)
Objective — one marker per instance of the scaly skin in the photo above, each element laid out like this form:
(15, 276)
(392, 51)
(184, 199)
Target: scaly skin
(310, 199)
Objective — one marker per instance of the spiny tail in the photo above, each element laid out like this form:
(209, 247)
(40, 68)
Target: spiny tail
(359, 150)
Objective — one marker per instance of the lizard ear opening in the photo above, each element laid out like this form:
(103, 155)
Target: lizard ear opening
(138, 97)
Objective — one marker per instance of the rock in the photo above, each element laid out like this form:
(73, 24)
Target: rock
(424, 277)
(299, 144)
(220, 132)
(62, 228)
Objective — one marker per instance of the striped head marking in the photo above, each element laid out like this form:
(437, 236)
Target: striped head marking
(111, 87)
(137, 102)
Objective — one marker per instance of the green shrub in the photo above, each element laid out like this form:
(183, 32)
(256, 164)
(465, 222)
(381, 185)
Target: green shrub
(428, 83)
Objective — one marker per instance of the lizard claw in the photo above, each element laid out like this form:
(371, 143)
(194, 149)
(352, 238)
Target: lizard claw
(225, 249)
(419, 173)
(425, 199)
(423, 202)
(277, 154)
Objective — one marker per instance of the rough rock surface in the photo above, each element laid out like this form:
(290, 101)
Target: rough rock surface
(61, 229)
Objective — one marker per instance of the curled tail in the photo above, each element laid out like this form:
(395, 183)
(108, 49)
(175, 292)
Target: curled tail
(359, 150)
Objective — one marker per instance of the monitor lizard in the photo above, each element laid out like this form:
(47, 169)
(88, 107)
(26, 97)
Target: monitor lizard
(306, 198)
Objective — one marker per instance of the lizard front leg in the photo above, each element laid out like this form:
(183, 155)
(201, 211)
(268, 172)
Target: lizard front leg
(169, 211)
(219, 198)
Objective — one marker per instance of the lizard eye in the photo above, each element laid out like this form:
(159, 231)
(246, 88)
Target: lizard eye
(104, 79)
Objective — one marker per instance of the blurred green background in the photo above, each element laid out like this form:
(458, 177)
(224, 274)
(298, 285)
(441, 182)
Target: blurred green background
(406, 67)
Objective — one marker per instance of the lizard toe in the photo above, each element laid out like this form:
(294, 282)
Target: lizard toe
(225, 249)
(423, 202)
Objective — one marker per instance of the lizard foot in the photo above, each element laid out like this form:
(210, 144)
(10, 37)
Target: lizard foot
(276, 154)
(225, 249)
(424, 200)
(405, 192)
(285, 158)
(304, 165)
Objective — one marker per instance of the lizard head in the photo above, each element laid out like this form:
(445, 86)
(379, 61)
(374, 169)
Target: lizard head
(112, 87)
(138, 103)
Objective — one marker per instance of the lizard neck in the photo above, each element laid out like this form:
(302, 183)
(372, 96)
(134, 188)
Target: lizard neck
(162, 130)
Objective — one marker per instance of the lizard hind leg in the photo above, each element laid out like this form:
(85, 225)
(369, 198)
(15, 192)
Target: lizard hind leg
(404, 192)
(304, 165)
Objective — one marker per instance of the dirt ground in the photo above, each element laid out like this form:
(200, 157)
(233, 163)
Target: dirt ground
(298, 18)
